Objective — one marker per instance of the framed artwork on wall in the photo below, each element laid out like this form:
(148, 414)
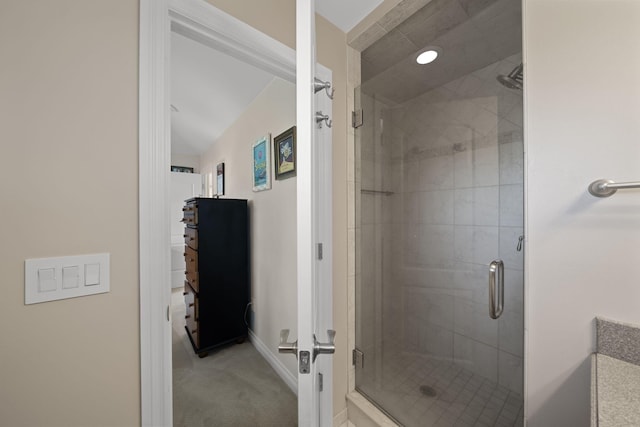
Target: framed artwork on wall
(284, 151)
(183, 169)
(220, 179)
(261, 164)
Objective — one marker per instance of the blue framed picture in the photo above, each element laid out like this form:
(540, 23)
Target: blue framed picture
(261, 164)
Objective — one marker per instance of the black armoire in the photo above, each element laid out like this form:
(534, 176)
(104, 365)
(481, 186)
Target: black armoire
(217, 286)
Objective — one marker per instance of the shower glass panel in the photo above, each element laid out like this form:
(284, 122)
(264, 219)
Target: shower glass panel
(439, 196)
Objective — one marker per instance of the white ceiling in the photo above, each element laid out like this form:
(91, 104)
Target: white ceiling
(211, 89)
(345, 14)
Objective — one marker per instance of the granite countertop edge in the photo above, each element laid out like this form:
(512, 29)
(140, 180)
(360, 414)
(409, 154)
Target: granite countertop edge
(615, 393)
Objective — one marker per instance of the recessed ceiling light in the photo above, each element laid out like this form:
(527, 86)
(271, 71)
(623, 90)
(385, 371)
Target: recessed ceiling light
(427, 56)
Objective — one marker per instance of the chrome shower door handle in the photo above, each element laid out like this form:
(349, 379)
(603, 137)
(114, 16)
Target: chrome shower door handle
(496, 268)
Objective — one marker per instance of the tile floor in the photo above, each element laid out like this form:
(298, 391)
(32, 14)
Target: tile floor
(461, 398)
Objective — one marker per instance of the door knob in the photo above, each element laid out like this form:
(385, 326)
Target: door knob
(287, 347)
(324, 347)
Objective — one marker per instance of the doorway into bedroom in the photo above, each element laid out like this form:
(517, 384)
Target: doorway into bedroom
(221, 109)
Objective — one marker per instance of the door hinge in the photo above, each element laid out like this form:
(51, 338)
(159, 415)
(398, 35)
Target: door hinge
(320, 382)
(320, 251)
(357, 358)
(357, 119)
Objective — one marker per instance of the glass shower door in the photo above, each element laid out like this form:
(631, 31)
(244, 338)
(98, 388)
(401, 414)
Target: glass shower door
(439, 196)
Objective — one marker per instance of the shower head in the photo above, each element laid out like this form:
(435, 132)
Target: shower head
(513, 80)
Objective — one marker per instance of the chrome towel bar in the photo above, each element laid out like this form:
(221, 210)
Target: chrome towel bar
(606, 187)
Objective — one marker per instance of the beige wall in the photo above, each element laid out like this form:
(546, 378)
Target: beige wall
(68, 132)
(332, 52)
(272, 213)
(69, 126)
(582, 252)
(276, 18)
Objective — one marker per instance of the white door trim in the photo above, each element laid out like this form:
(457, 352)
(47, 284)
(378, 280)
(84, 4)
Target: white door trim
(308, 403)
(203, 22)
(154, 239)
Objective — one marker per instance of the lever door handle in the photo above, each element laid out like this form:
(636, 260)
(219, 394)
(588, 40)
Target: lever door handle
(287, 347)
(324, 347)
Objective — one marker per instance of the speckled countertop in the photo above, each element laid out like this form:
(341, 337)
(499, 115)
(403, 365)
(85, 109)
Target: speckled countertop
(618, 339)
(615, 381)
(618, 392)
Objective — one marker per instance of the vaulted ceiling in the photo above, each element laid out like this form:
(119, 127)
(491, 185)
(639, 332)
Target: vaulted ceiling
(210, 89)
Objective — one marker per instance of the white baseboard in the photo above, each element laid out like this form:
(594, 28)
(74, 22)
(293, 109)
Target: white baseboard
(177, 279)
(275, 363)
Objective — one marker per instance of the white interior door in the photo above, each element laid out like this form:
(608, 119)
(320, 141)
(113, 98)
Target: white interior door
(315, 342)
(324, 254)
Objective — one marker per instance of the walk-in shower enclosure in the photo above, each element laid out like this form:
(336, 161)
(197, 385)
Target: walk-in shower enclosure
(439, 197)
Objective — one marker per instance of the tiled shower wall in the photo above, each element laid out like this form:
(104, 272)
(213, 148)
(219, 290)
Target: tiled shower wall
(447, 171)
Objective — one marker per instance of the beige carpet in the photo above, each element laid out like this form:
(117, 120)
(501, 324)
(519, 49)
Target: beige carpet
(233, 386)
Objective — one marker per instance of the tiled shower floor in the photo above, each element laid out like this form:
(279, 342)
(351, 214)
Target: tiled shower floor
(461, 397)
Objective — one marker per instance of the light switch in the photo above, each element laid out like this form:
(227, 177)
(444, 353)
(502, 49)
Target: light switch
(50, 279)
(91, 274)
(47, 280)
(70, 277)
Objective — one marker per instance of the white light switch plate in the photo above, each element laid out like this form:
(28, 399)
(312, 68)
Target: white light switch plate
(50, 279)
